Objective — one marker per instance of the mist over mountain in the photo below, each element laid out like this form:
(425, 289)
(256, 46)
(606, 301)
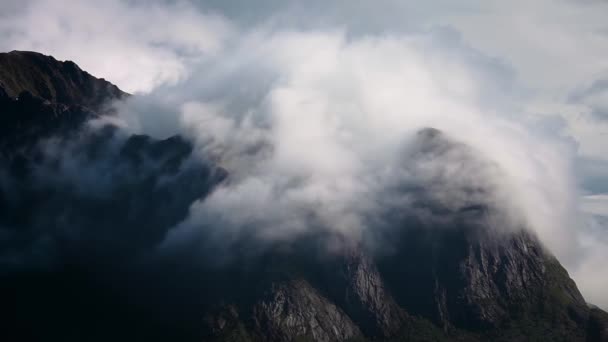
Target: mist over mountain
(243, 229)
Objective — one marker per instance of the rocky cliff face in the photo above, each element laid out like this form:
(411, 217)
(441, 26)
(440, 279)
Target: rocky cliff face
(83, 213)
(438, 286)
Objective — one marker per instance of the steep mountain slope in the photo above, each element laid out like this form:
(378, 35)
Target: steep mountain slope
(41, 96)
(52, 80)
(84, 211)
(439, 286)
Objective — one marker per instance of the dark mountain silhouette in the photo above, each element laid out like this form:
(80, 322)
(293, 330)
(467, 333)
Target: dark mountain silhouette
(83, 213)
(52, 80)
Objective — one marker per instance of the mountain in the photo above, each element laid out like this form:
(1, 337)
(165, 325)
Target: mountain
(84, 212)
(52, 80)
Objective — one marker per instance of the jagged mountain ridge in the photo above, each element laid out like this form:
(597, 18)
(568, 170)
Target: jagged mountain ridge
(52, 80)
(439, 284)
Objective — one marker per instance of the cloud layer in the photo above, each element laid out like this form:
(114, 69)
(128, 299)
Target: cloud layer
(314, 110)
(139, 45)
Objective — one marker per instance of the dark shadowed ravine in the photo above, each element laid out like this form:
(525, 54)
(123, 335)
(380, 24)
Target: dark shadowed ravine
(84, 212)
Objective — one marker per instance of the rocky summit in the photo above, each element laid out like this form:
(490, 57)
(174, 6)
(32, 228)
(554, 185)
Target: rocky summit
(84, 212)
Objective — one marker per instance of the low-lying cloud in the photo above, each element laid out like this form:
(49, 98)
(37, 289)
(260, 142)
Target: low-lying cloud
(318, 122)
(326, 132)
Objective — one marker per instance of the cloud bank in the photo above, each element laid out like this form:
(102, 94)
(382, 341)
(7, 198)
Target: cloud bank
(140, 45)
(315, 110)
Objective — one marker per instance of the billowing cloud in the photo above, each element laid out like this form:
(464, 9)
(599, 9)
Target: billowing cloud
(139, 45)
(327, 132)
(314, 109)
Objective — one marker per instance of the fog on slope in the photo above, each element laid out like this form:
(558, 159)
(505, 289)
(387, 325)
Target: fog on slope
(317, 125)
(315, 129)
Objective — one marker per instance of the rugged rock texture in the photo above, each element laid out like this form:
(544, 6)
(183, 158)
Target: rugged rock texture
(366, 297)
(294, 309)
(83, 213)
(460, 287)
(465, 281)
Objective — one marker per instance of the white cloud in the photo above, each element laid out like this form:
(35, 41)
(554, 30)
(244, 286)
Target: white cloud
(340, 115)
(138, 45)
(595, 204)
(589, 274)
(310, 107)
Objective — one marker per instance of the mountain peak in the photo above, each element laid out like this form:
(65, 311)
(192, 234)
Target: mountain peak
(56, 81)
(84, 213)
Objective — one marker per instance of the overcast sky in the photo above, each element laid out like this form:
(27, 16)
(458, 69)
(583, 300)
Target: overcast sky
(540, 64)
